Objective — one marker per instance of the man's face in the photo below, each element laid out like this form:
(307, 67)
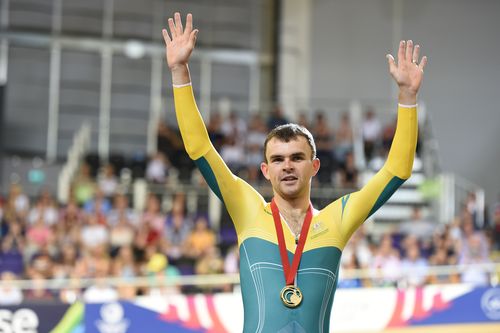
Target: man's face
(289, 166)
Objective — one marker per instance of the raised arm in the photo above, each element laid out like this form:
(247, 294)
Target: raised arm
(230, 189)
(357, 207)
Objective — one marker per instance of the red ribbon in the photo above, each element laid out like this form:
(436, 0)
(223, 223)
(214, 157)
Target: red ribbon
(290, 273)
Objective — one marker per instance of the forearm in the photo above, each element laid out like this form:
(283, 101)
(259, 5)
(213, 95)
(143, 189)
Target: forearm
(193, 131)
(400, 159)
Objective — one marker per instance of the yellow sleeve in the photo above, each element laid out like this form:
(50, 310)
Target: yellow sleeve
(238, 196)
(356, 207)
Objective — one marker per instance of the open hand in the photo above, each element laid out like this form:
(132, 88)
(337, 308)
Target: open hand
(181, 42)
(409, 71)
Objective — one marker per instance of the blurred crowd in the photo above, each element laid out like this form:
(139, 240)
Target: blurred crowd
(98, 234)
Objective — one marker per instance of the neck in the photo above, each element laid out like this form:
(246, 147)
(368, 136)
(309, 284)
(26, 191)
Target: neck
(295, 205)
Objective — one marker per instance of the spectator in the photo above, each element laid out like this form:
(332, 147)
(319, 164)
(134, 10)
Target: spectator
(496, 225)
(38, 291)
(470, 258)
(234, 127)
(214, 128)
(94, 234)
(324, 148)
(18, 204)
(256, 137)
(45, 209)
(371, 130)
(101, 291)
(152, 218)
(233, 153)
(344, 138)
(414, 267)
(386, 264)
(83, 186)
(158, 270)
(276, 118)
(348, 173)
(387, 135)
(346, 279)
(107, 181)
(200, 239)
(121, 210)
(157, 168)
(10, 295)
(177, 229)
(417, 226)
(121, 235)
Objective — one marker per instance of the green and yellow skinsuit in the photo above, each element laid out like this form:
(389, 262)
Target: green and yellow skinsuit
(261, 271)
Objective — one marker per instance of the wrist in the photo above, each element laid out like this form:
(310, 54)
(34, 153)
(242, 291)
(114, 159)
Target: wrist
(180, 74)
(407, 97)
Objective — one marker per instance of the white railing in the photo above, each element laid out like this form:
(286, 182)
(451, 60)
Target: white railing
(233, 279)
(78, 149)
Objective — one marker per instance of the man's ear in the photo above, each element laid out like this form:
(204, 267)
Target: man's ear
(265, 170)
(316, 164)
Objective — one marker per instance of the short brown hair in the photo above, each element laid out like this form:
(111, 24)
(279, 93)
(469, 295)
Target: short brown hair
(289, 132)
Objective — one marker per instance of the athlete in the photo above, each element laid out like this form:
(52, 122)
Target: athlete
(290, 252)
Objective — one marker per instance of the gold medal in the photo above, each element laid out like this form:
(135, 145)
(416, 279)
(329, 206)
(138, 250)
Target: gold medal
(291, 296)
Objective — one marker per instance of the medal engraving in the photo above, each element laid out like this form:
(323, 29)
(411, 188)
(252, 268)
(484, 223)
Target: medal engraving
(291, 296)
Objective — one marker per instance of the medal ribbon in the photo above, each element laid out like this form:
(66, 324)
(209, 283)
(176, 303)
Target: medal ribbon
(290, 272)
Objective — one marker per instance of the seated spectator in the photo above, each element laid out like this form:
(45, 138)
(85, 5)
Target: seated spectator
(101, 291)
(93, 234)
(98, 205)
(18, 203)
(418, 226)
(45, 208)
(160, 272)
(157, 168)
(441, 258)
(234, 127)
(414, 268)
(121, 235)
(324, 138)
(12, 248)
(121, 210)
(124, 264)
(387, 135)
(210, 262)
(344, 138)
(371, 131)
(346, 280)
(83, 187)
(472, 256)
(39, 291)
(38, 236)
(200, 239)
(257, 132)
(177, 229)
(386, 265)
(348, 173)
(233, 153)
(152, 220)
(276, 118)
(10, 295)
(214, 128)
(108, 181)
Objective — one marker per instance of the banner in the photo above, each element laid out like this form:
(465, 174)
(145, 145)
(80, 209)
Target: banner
(31, 317)
(369, 310)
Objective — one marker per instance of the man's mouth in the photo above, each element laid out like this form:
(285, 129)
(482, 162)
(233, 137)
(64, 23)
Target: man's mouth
(288, 179)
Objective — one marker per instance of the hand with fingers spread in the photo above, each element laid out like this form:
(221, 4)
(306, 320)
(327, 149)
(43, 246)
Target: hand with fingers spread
(408, 72)
(181, 41)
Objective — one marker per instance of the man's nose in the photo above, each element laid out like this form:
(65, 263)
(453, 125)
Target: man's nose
(287, 164)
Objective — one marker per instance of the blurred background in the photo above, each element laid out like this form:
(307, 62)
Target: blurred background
(100, 204)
